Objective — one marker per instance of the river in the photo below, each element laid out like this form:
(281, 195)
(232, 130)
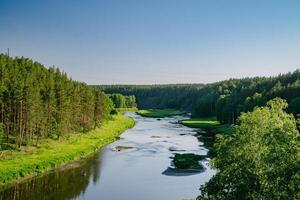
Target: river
(138, 173)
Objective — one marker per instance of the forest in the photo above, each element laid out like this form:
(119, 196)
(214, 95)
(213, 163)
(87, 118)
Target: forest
(174, 96)
(38, 102)
(123, 101)
(47, 119)
(258, 158)
(224, 99)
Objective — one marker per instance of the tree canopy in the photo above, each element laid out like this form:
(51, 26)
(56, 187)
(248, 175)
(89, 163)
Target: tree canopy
(123, 101)
(260, 160)
(224, 99)
(38, 102)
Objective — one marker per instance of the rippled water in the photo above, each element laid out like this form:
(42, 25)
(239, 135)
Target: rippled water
(139, 173)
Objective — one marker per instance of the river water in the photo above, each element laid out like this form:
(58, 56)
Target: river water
(139, 173)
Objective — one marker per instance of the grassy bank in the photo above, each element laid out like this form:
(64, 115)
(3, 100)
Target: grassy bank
(159, 113)
(134, 109)
(207, 124)
(51, 153)
(211, 126)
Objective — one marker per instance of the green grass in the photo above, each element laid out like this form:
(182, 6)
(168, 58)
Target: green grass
(211, 124)
(52, 153)
(200, 122)
(134, 109)
(159, 113)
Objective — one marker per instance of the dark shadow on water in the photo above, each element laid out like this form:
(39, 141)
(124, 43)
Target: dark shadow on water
(175, 149)
(181, 172)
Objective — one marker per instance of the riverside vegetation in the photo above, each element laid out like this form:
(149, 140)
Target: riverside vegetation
(188, 161)
(37, 103)
(47, 119)
(259, 159)
(225, 100)
(251, 125)
(209, 129)
(51, 153)
(159, 113)
(210, 124)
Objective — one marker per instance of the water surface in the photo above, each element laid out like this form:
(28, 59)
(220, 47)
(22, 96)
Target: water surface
(139, 173)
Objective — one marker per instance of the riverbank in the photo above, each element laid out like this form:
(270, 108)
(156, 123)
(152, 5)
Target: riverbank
(122, 110)
(159, 113)
(30, 161)
(209, 128)
(210, 124)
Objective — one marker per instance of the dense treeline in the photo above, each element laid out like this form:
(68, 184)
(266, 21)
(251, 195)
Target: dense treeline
(36, 102)
(123, 101)
(225, 99)
(174, 96)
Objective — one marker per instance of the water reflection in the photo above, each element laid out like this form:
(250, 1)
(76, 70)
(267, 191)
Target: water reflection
(65, 183)
(179, 172)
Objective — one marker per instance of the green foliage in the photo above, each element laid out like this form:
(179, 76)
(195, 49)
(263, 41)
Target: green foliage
(211, 127)
(122, 101)
(260, 160)
(224, 99)
(130, 101)
(209, 124)
(54, 153)
(133, 109)
(172, 96)
(242, 95)
(1, 137)
(188, 161)
(294, 106)
(159, 113)
(36, 102)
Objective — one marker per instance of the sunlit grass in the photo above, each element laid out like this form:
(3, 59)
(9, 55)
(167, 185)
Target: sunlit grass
(200, 122)
(159, 112)
(210, 123)
(53, 153)
(134, 109)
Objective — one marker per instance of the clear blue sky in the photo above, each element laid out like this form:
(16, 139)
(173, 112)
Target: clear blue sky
(155, 41)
